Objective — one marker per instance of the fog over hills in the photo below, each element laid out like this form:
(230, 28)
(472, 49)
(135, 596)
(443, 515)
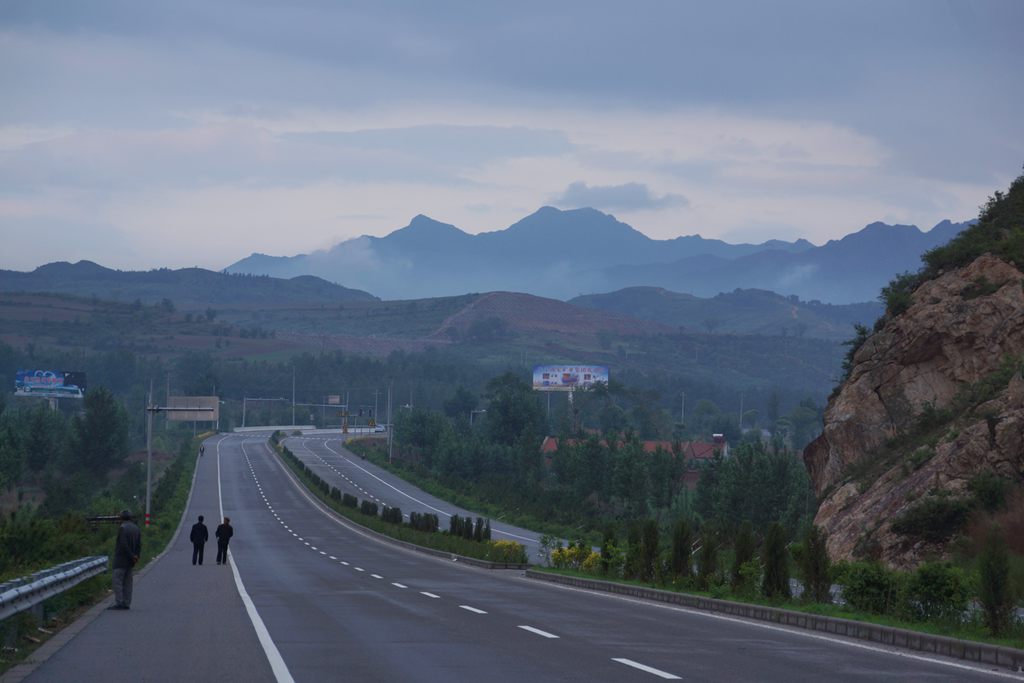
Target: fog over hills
(562, 254)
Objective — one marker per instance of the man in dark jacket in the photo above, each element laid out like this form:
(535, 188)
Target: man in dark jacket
(126, 555)
(199, 537)
(224, 533)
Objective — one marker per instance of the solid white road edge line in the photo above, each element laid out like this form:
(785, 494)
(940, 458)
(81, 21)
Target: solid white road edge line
(277, 665)
(796, 632)
(537, 631)
(648, 669)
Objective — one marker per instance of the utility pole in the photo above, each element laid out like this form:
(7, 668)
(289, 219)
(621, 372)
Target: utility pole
(682, 408)
(391, 427)
(741, 414)
(293, 394)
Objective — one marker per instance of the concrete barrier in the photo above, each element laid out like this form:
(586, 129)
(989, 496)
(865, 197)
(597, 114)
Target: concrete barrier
(983, 653)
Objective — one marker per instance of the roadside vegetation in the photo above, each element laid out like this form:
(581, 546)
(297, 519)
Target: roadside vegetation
(70, 468)
(464, 536)
(976, 602)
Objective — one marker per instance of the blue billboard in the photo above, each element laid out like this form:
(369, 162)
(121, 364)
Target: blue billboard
(49, 383)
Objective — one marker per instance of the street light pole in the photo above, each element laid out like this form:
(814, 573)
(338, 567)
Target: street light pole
(149, 448)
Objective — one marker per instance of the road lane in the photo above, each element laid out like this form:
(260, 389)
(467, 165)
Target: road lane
(325, 615)
(335, 464)
(186, 622)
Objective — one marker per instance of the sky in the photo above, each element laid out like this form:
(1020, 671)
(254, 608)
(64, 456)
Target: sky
(192, 133)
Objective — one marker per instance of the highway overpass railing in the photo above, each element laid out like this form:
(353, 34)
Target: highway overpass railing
(18, 595)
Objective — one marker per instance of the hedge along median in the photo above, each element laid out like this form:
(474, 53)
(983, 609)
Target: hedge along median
(420, 534)
(913, 640)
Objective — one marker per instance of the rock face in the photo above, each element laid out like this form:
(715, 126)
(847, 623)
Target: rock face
(930, 403)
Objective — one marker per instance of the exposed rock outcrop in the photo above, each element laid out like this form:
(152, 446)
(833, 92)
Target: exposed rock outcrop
(933, 398)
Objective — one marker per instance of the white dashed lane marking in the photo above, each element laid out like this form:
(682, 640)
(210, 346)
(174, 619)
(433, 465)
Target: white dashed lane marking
(474, 610)
(531, 629)
(643, 667)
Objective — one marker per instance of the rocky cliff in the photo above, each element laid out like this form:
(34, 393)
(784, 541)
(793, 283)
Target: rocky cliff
(934, 399)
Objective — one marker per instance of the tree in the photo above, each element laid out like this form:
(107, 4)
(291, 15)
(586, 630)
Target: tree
(707, 558)
(682, 540)
(995, 591)
(101, 434)
(459, 405)
(649, 552)
(776, 563)
(743, 551)
(815, 565)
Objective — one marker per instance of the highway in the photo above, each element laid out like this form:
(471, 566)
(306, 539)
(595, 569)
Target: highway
(327, 456)
(329, 602)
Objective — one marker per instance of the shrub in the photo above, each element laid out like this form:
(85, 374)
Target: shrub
(507, 552)
(869, 587)
(989, 490)
(335, 493)
(934, 518)
(350, 501)
(937, 591)
(749, 578)
(369, 508)
(776, 564)
(995, 592)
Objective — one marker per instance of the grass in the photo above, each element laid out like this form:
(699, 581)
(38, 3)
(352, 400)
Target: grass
(373, 450)
(970, 630)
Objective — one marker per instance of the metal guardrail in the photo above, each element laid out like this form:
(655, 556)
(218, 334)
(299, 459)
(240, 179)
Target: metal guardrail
(24, 593)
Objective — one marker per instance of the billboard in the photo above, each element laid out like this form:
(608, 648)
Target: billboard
(49, 383)
(568, 377)
(203, 408)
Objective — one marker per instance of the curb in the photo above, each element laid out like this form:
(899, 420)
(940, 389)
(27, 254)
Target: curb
(983, 653)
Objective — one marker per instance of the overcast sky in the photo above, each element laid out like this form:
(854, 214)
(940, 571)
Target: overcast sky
(170, 134)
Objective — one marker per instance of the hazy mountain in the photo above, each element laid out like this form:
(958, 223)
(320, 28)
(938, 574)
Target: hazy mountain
(550, 253)
(852, 269)
(743, 311)
(187, 288)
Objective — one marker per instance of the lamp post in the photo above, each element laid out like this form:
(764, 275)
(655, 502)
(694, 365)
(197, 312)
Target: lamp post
(150, 409)
(475, 412)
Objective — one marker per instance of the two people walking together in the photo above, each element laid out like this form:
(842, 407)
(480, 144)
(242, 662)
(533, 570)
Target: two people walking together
(200, 535)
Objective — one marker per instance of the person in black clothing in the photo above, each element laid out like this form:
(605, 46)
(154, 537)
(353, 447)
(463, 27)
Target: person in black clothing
(126, 554)
(224, 533)
(199, 537)
(202, 449)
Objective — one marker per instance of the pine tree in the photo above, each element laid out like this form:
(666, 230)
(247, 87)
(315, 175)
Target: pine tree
(816, 566)
(743, 551)
(776, 563)
(682, 540)
(995, 591)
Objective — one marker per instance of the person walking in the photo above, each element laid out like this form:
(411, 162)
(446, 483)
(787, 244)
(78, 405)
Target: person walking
(202, 449)
(199, 537)
(127, 549)
(224, 533)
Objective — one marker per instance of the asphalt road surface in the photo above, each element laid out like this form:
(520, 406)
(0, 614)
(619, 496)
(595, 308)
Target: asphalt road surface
(331, 603)
(339, 467)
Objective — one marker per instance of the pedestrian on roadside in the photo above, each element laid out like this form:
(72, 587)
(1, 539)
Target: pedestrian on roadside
(202, 449)
(199, 537)
(224, 533)
(127, 549)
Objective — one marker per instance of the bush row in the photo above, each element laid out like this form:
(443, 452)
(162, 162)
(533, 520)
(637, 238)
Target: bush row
(936, 592)
(464, 537)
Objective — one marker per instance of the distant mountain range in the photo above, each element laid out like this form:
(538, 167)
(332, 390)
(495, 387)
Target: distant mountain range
(562, 254)
(187, 288)
(743, 312)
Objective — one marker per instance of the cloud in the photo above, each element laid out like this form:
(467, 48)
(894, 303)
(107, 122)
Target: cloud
(626, 197)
